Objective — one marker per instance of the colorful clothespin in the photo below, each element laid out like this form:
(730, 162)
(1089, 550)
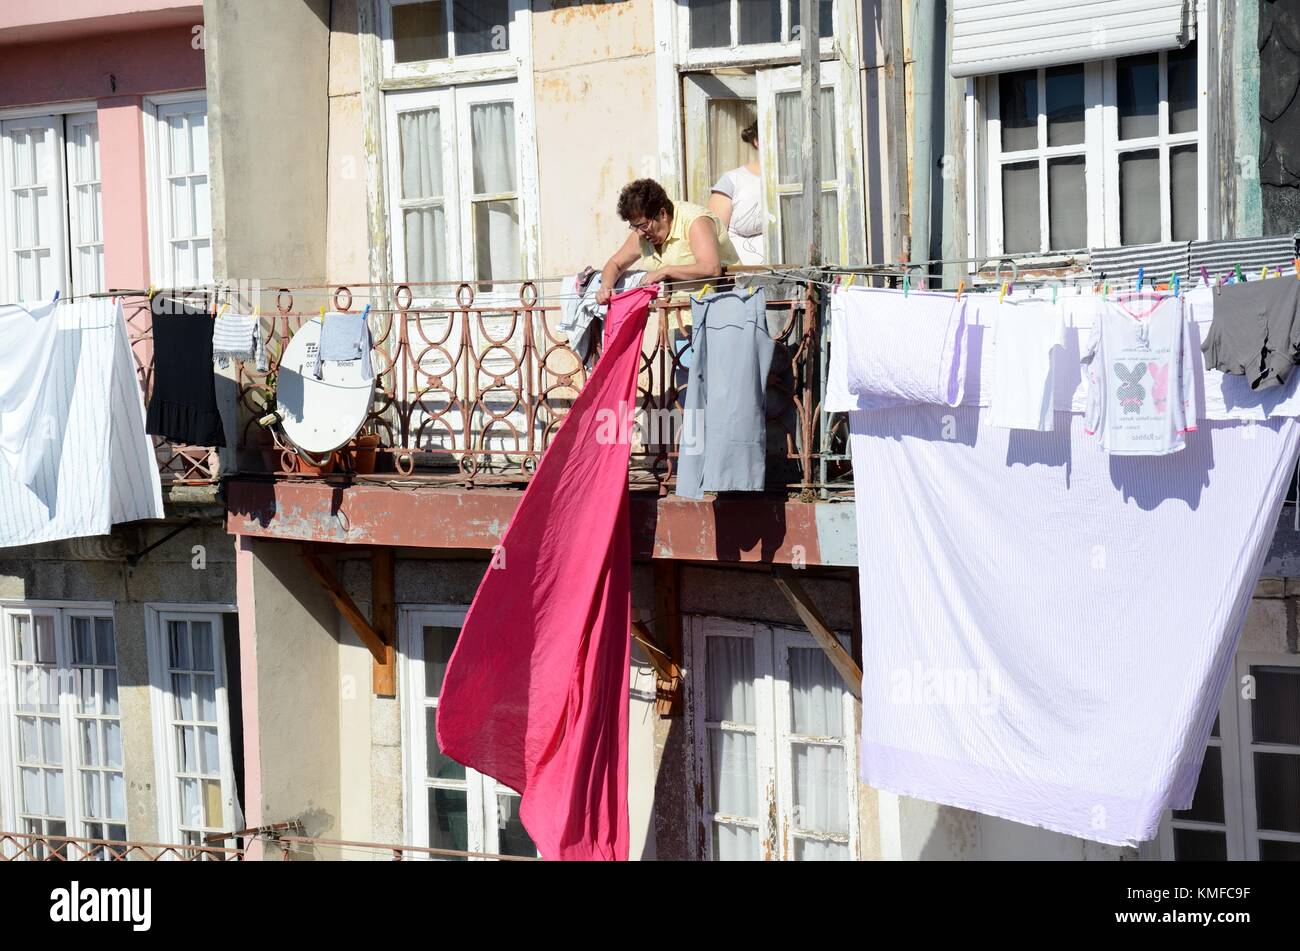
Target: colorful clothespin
(365, 313)
(152, 291)
(224, 307)
(1241, 278)
(907, 284)
(1177, 282)
(1105, 289)
(850, 278)
(1205, 276)
(704, 291)
(1002, 294)
(56, 297)
(921, 284)
(322, 313)
(1263, 273)
(961, 285)
(1142, 272)
(1053, 293)
(1297, 269)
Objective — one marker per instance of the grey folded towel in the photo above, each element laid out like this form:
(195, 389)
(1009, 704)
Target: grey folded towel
(238, 337)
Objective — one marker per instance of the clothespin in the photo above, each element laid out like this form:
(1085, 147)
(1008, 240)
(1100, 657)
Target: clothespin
(224, 307)
(322, 313)
(704, 291)
(850, 278)
(1053, 293)
(1142, 272)
(1177, 282)
(56, 297)
(365, 313)
(1003, 293)
(1205, 275)
(152, 291)
(1105, 289)
(1297, 269)
(907, 284)
(1241, 278)
(922, 284)
(1263, 273)
(961, 285)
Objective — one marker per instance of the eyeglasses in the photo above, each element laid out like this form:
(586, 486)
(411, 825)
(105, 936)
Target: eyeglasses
(642, 226)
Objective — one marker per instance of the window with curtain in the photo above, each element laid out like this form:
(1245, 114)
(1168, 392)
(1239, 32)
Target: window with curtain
(727, 118)
(65, 724)
(449, 806)
(1248, 791)
(714, 24)
(184, 201)
(454, 181)
(53, 239)
(789, 175)
(1095, 154)
(774, 748)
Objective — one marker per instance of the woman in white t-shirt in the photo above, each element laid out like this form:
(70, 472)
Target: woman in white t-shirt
(737, 200)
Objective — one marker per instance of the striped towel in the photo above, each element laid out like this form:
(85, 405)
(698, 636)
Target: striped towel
(1251, 254)
(238, 337)
(1119, 266)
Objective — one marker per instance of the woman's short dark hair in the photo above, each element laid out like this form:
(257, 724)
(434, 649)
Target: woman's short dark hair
(749, 134)
(643, 198)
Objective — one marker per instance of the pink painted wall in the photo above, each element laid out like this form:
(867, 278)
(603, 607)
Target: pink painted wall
(116, 72)
(29, 21)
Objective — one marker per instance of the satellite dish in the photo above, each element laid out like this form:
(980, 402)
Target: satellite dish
(319, 416)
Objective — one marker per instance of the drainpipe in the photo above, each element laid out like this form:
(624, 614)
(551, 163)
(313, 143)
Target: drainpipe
(924, 63)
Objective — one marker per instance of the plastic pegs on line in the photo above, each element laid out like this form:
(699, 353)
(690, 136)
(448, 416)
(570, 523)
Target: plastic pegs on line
(1205, 275)
(1263, 273)
(1297, 269)
(56, 297)
(1053, 293)
(1142, 273)
(907, 284)
(365, 313)
(1177, 285)
(961, 285)
(1002, 294)
(849, 279)
(1241, 277)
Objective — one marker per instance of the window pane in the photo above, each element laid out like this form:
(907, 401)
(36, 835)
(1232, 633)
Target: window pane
(90, 793)
(734, 843)
(419, 32)
(760, 21)
(733, 779)
(496, 241)
(789, 135)
(190, 813)
(511, 837)
(438, 765)
(710, 23)
(820, 788)
(1199, 846)
(210, 763)
(90, 751)
(52, 740)
(815, 696)
(212, 812)
(108, 678)
(1065, 105)
(1275, 712)
(808, 850)
(1182, 89)
(1067, 202)
(202, 632)
(83, 644)
(1270, 851)
(183, 697)
(825, 18)
(448, 819)
(178, 637)
(24, 649)
(1183, 200)
(116, 795)
(1277, 791)
(1021, 230)
(29, 748)
(205, 696)
(794, 247)
(44, 638)
(113, 743)
(426, 249)
(54, 792)
(1207, 806)
(419, 136)
(729, 673)
(1139, 197)
(187, 760)
(438, 644)
(33, 800)
(492, 129)
(107, 651)
(481, 26)
(1018, 109)
(1137, 94)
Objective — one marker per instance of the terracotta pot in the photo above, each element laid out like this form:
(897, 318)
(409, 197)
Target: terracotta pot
(363, 450)
(306, 468)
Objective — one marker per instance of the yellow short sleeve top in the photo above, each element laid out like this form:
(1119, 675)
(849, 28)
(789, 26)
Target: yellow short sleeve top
(676, 249)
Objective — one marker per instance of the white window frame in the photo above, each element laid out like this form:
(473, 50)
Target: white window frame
(472, 67)
(846, 183)
(1101, 148)
(776, 822)
(59, 116)
(737, 53)
(481, 791)
(74, 208)
(159, 200)
(1237, 744)
(161, 705)
(11, 787)
(454, 104)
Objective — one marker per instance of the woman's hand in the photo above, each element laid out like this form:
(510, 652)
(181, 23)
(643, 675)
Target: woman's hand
(603, 295)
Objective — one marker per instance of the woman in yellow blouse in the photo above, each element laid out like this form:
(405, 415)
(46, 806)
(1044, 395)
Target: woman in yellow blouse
(671, 240)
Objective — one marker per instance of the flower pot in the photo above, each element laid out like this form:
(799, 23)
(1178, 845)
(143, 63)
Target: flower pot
(303, 467)
(363, 450)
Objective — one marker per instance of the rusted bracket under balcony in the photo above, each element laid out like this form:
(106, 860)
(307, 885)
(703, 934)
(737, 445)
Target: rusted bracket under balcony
(817, 626)
(379, 634)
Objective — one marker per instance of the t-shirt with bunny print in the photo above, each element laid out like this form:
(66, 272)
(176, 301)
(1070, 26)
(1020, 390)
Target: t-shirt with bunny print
(1140, 373)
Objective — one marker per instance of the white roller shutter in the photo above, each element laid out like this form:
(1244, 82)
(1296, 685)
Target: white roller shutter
(995, 36)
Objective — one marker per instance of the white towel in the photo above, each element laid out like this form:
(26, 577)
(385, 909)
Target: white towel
(238, 337)
(28, 333)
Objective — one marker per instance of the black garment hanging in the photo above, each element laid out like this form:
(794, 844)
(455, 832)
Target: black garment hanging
(183, 407)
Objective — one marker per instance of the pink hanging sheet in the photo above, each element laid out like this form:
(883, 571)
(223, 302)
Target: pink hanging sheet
(536, 692)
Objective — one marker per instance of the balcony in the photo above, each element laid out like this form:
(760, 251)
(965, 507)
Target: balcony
(471, 391)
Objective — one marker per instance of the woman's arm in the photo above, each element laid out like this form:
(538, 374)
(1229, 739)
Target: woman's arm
(708, 257)
(721, 206)
(618, 262)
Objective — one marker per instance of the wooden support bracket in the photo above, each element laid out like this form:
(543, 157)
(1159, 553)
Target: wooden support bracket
(383, 614)
(372, 638)
(812, 619)
(668, 676)
(668, 637)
